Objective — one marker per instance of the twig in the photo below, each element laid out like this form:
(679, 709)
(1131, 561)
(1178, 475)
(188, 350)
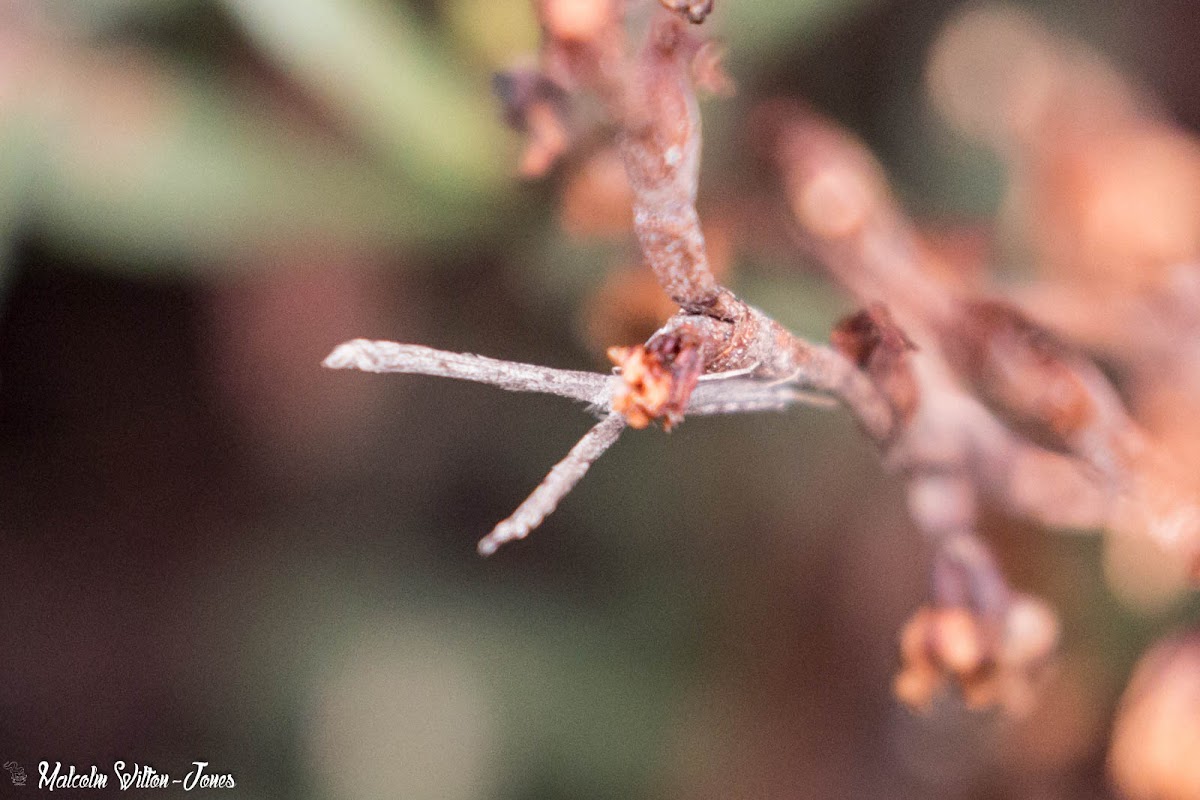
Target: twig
(660, 148)
(561, 479)
(716, 394)
(659, 140)
(380, 356)
(737, 393)
(850, 222)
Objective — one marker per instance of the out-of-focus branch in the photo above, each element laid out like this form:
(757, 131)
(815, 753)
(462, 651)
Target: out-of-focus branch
(850, 222)
(972, 359)
(1006, 408)
(1109, 213)
(694, 11)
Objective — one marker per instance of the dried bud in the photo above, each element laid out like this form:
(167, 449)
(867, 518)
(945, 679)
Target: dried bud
(646, 388)
(1023, 369)
(873, 341)
(917, 684)
(694, 11)
(1156, 738)
(658, 378)
(923, 674)
(954, 645)
(535, 106)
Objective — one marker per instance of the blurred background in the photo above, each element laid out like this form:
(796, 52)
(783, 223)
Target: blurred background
(215, 550)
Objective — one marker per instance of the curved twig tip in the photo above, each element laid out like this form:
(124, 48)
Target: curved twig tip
(348, 355)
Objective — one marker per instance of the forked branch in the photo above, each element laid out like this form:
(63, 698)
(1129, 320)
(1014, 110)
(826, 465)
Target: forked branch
(932, 377)
(728, 393)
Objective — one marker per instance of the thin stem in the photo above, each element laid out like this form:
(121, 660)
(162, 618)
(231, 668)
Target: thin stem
(735, 393)
(716, 394)
(369, 356)
(557, 484)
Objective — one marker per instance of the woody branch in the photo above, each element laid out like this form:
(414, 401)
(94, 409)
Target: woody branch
(719, 355)
(924, 369)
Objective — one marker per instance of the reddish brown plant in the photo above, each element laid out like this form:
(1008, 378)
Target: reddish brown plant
(969, 398)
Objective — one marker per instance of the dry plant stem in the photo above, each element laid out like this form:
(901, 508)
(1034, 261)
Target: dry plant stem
(1043, 485)
(561, 480)
(769, 367)
(851, 225)
(966, 576)
(828, 371)
(660, 148)
(379, 356)
(758, 343)
(954, 448)
(715, 394)
(954, 431)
